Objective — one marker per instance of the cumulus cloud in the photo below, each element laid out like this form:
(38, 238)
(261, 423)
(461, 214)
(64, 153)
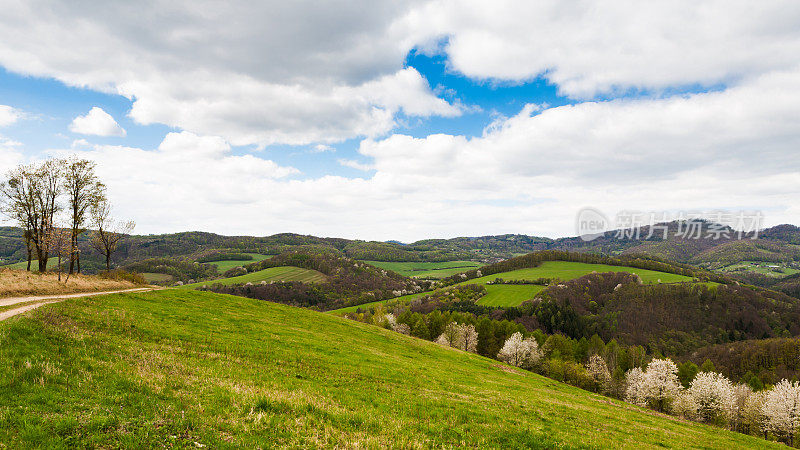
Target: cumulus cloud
(527, 174)
(8, 115)
(98, 123)
(590, 48)
(300, 75)
(291, 73)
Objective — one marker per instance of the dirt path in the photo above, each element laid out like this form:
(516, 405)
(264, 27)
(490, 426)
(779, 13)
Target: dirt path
(47, 299)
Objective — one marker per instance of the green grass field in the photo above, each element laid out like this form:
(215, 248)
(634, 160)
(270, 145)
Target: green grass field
(427, 269)
(222, 266)
(509, 294)
(186, 369)
(151, 277)
(514, 295)
(285, 273)
(51, 264)
(566, 270)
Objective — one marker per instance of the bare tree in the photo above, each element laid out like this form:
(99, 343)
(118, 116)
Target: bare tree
(109, 232)
(16, 193)
(31, 198)
(83, 189)
(59, 243)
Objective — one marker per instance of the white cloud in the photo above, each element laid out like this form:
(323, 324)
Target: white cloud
(587, 48)
(528, 174)
(322, 148)
(98, 123)
(353, 164)
(290, 73)
(8, 115)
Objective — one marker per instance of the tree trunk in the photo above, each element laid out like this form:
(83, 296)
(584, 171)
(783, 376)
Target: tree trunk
(72, 246)
(78, 258)
(108, 261)
(42, 261)
(30, 253)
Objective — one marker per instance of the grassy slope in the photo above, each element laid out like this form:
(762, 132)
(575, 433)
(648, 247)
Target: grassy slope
(509, 295)
(222, 266)
(514, 295)
(426, 269)
(20, 283)
(51, 264)
(175, 368)
(156, 277)
(566, 270)
(286, 273)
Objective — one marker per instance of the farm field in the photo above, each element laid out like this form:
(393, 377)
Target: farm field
(514, 295)
(761, 267)
(188, 369)
(509, 294)
(427, 269)
(222, 266)
(285, 273)
(566, 270)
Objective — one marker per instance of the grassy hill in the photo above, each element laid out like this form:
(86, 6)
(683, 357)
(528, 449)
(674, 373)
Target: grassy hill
(284, 273)
(224, 265)
(21, 283)
(514, 295)
(427, 269)
(180, 368)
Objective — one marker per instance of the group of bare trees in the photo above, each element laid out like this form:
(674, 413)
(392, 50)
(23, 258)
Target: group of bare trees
(54, 202)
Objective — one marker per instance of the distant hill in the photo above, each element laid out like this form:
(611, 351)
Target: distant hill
(779, 245)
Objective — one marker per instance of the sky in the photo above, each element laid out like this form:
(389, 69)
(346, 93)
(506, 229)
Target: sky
(409, 120)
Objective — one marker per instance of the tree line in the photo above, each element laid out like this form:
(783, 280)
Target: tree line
(54, 202)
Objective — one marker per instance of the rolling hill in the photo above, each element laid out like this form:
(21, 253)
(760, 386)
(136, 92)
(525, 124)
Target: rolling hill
(188, 369)
(503, 295)
(282, 273)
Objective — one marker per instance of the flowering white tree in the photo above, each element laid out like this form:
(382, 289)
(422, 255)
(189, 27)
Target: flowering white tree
(661, 383)
(598, 369)
(741, 395)
(657, 386)
(781, 410)
(452, 336)
(684, 406)
(714, 396)
(470, 338)
(402, 328)
(753, 412)
(520, 352)
(634, 387)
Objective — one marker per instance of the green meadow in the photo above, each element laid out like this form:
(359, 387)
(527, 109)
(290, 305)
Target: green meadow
(188, 369)
(427, 269)
(284, 273)
(51, 264)
(515, 294)
(224, 265)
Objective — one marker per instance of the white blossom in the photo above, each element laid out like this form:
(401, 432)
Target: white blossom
(520, 353)
(634, 387)
(657, 385)
(598, 369)
(463, 337)
(781, 409)
(714, 396)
